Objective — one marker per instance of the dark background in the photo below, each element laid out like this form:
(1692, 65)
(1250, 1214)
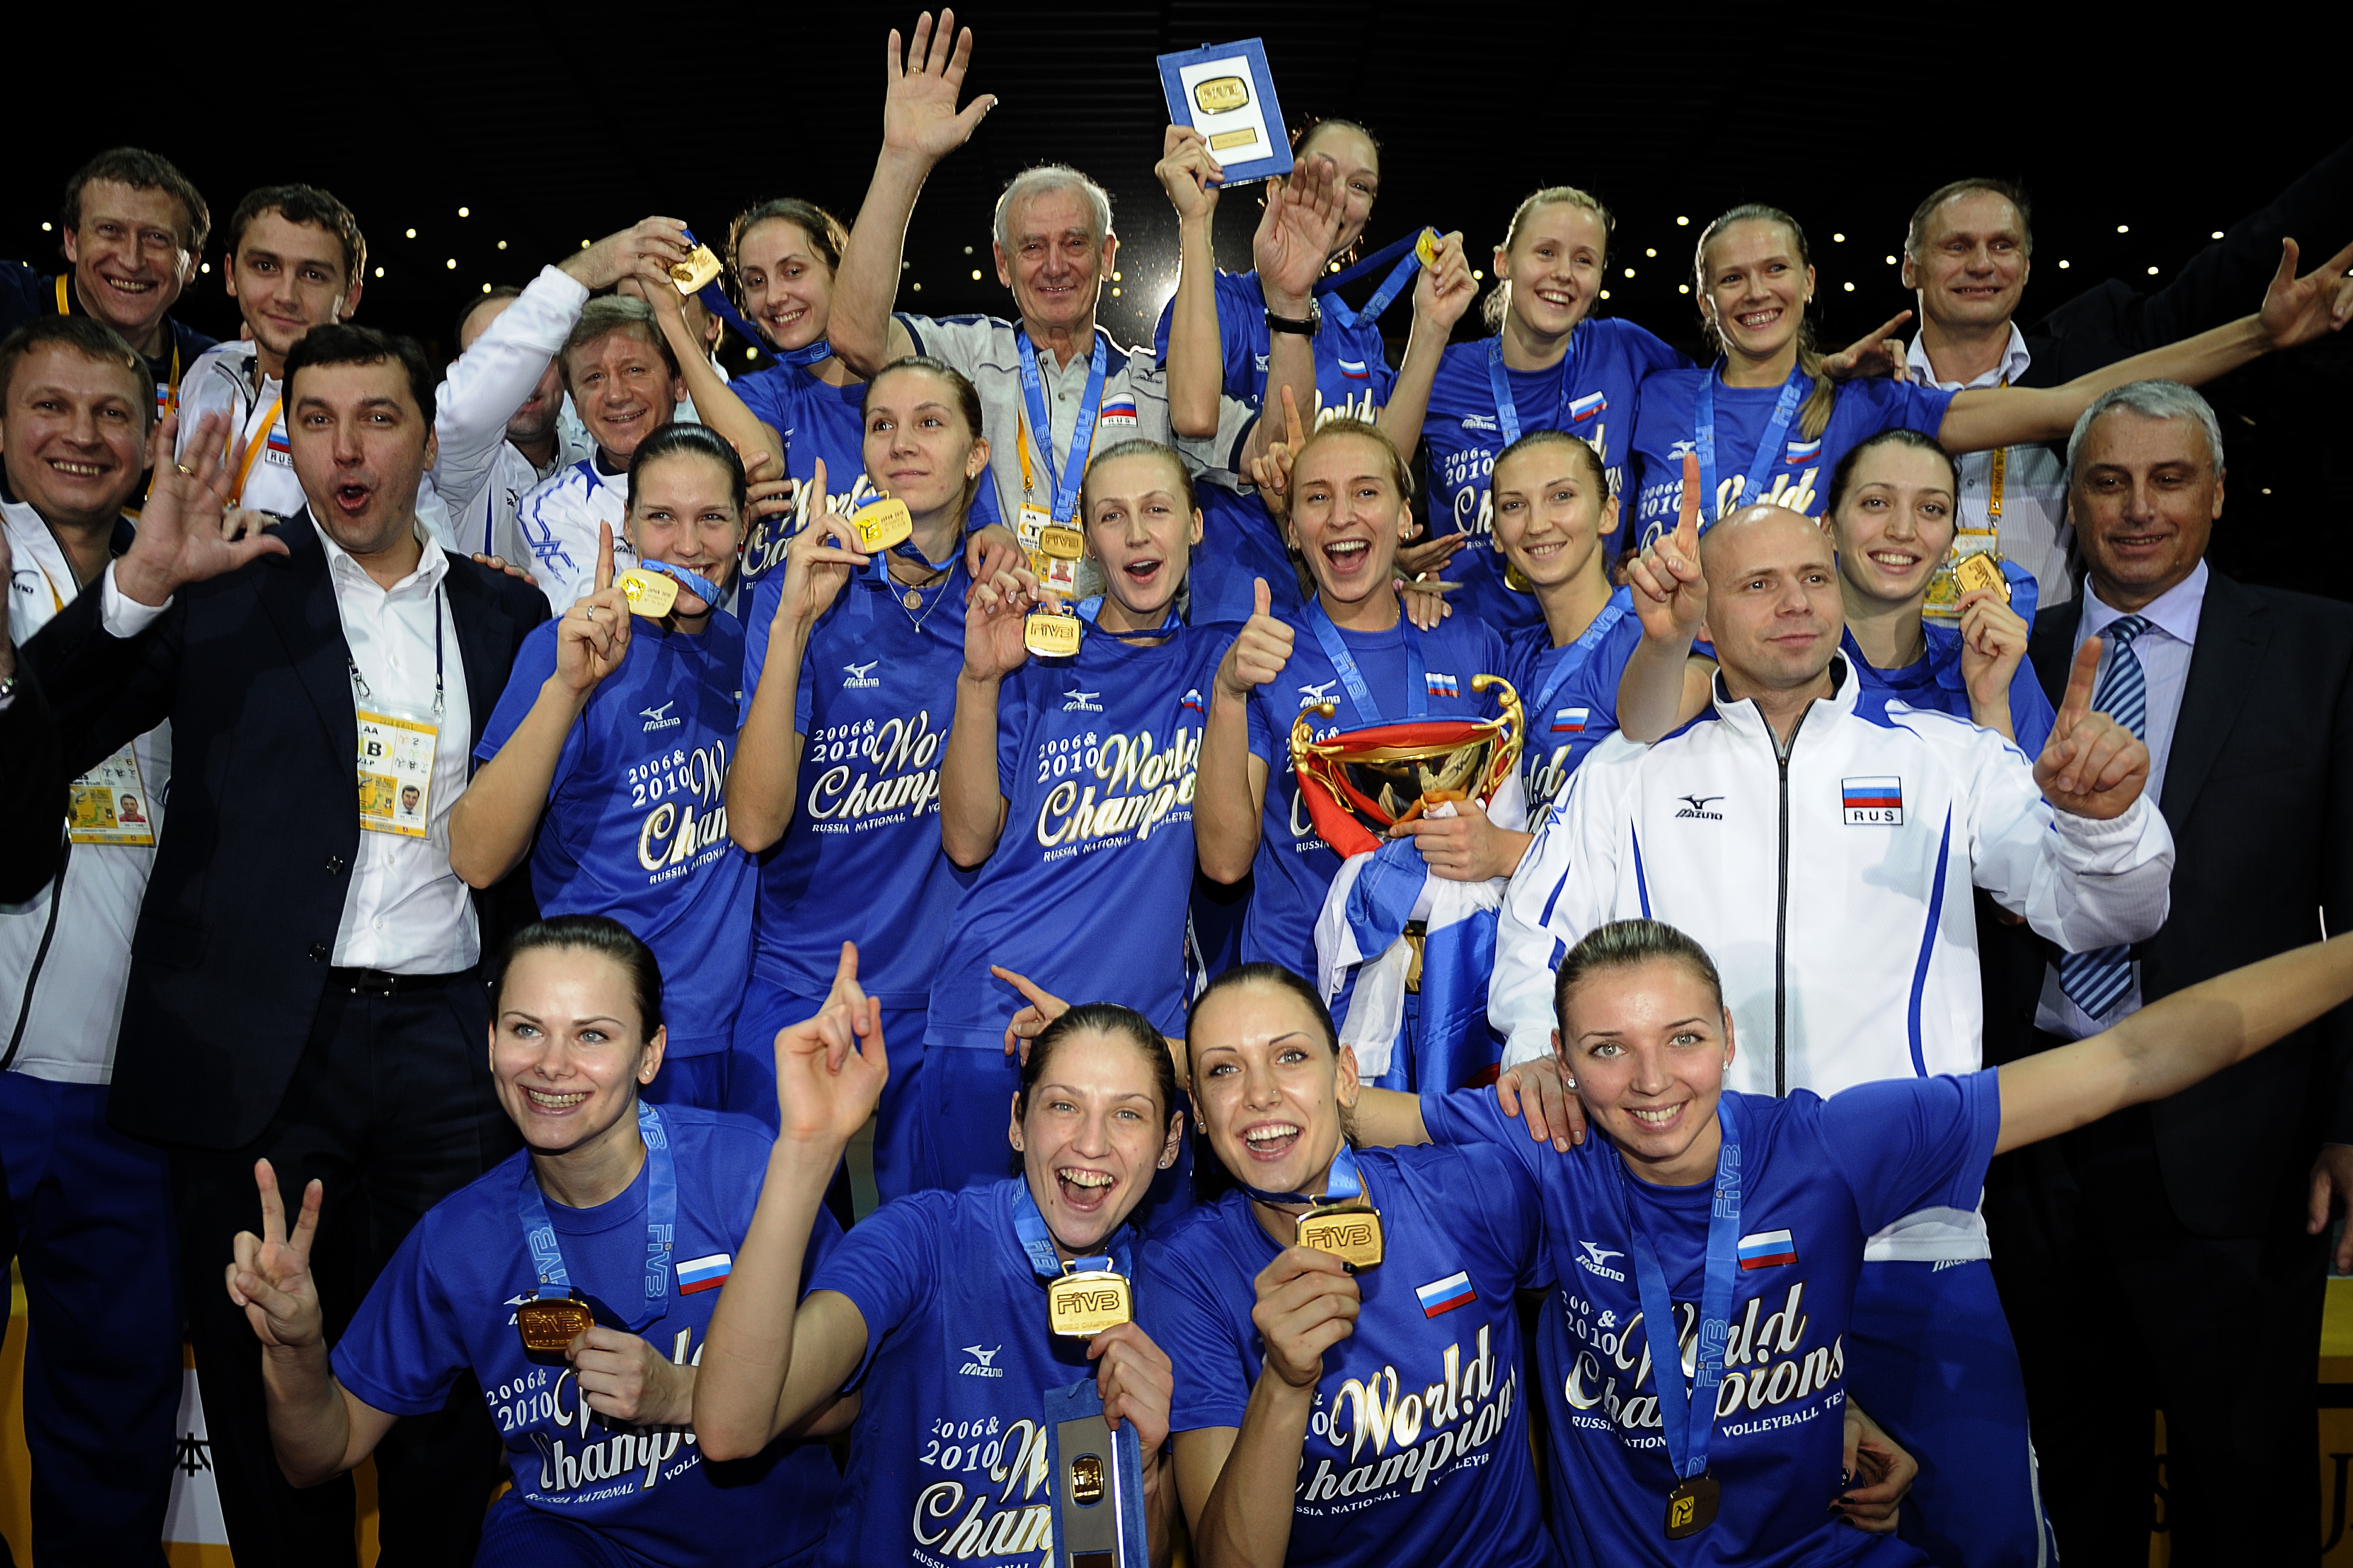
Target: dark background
(555, 125)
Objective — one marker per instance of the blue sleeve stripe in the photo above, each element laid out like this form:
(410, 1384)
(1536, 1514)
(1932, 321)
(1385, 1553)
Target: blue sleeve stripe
(1642, 882)
(1928, 943)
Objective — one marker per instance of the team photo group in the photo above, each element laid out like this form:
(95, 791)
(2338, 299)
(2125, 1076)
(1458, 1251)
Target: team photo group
(1358, 934)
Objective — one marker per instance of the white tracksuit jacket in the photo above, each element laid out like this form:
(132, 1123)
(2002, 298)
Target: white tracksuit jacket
(1831, 887)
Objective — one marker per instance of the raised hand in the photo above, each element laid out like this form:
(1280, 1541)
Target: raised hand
(1043, 1008)
(183, 535)
(593, 638)
(818, 565)
(830, 1068)
(1879, 353)
(1258, 653)
(1188, 173)
(644, 251)
(623, 1377)
(1445, 289)
(920, 89)
(1297, 232)
(1271, 471)
(1670, 591)
(2092, 767)
(993, 619)
(270, 1273)
(2298, 310)
(1307, 1302)
(1993, 641)
(765, 498)
(1546, 1096)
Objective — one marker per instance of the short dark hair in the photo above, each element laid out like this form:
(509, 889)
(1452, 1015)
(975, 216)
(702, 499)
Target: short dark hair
(1110, 1018)
(488, 296)
(90, 339)
(339, 343)
(303, 203)
(1282, 979)
(2008, 190)
(826, 233)
(1622, 944)
(681, 435)
(142, 170)
(610, 313)
(593, 934)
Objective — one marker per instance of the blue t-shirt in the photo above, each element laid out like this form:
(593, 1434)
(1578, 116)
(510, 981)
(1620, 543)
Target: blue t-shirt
(1086, 891)
(1570, 694)
(1596, 392)
(636, 814)
(1799, 479)
(1417, 1451)
(1240, 542)
(1934, 681)
(1294, 867)
(1353, 378)
(445, 1305)
(1817, 1177)
(876, 694)
(947, 1457)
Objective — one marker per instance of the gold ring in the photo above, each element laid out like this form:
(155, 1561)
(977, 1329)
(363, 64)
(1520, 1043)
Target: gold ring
(185, 470)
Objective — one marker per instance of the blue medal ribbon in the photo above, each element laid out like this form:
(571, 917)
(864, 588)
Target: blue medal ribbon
(1328, 286)
(714, 300)
(661, 1222)
(701, 587)
(1038, 1242)
(804, 356)
(1344, 1182)
(1499, 383)
(1573, 656)
(1687, 1438)
(1090, 608)
(1767, 449)
(1064, 482)
(1344, 663)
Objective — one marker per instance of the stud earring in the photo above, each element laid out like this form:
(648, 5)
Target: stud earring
(1200, 1126)
(1017, 1145)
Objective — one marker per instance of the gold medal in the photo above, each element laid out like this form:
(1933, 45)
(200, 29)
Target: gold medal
(1690, 1507)
(1050, 636)
(1517, 580)
(1062, 543)
(1084, 1305)
(1980, 570)
(698, 269)
(1425, 248)
(882, 524)
(650, 593)
(548, 1325)
(1350, 1232)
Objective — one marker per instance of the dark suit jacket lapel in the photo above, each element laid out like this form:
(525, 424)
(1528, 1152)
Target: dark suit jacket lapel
(486, 640)
(2222, 667)
(2052, 646)
(300, 599)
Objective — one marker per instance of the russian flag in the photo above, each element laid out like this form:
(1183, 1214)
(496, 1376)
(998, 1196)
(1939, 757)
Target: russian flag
(1570, 720)
(703, 1273)
(1445, 1295)
(1119, 408)
(1354, 369)
(1768, 1249)
(1443, 685)
(1585, 407)
(1192, 700)
(1803, 451)
(278, 442)
(1883, 794)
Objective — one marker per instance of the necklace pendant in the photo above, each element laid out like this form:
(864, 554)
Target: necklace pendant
(912, 599)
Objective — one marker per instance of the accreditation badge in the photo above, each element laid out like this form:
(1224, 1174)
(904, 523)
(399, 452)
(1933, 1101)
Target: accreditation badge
(547, 1324)
(1350, 1232)
(1049, 635)
(1084, 1303)
(396, 757)
(650, 593)
(109, 805)
(1058, 550)
(1031, 529)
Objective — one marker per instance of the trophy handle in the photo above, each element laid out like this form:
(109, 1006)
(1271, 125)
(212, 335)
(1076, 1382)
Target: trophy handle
(1511, 733)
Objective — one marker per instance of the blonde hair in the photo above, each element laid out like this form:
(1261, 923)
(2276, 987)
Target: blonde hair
(1814, 414)
(1498, 303)
(1400, 473)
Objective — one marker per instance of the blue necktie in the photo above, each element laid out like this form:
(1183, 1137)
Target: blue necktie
(2096, 981)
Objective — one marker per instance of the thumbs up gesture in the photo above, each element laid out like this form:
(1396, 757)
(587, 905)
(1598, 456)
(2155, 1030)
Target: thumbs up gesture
(1259, 654)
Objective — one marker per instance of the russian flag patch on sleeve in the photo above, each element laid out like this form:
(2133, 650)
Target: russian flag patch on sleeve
(1570, 720)
(1768, 1249)
(1585, 407)
(1118, 408)
(1872, 803)
(703, 1273)
(1454, 1291)
(1802, 451)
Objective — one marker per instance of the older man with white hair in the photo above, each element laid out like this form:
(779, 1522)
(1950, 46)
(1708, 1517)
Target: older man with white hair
(2174, 1259)
(1053, 385)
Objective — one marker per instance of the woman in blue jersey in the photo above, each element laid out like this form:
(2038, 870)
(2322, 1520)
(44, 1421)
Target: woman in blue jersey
(633, 1209)
(933, 1310)
(1068, 781)
(1219, 333)
(849, 673)
(616, 729)
(1352, 646)
(1742, 1218)
(1766, 423)
(1324, 1415)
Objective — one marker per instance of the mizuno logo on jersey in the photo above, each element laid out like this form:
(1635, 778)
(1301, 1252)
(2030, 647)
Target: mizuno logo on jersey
(1442, 684)
(1872, 803)
(1445, 1295)
(1803, 452)
(1768, 1249)
(1595, 1258)
(1569, 721)
(659, 718)
(982, 1363)
(859, 677)
(703, 1273)
(1082, 702)
(1697, 805)
(1354, 369)
(1317, 695)
(1588, 406)
(1480, 422)
(1118, 408)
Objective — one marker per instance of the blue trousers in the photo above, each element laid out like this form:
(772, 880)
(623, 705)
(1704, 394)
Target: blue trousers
(95, 1241)
(903, 1161)
(1929, 1357)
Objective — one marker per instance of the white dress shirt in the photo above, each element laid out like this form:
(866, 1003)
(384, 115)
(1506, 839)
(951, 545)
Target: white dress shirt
(2032, 529)
(2164, 650)
(405, 911)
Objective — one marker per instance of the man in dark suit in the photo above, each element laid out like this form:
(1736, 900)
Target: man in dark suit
(305, 981)
(2171, 1257)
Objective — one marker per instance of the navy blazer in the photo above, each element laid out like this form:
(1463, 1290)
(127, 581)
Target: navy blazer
(236, 936)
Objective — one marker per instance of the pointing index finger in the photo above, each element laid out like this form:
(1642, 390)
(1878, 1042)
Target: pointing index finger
(604, 556)
(2080, 681)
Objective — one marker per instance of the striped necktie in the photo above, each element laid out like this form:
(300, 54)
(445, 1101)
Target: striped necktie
(2096, 981)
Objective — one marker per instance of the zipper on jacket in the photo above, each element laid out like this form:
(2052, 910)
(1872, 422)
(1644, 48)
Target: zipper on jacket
(1781, 914)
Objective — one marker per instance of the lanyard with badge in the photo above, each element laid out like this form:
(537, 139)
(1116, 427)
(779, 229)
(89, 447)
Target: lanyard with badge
(255, 443)
(167, 397)
(1419, 249)
(1578, 654)
(395, 751)
(548, 1323)
(1768, 449)
(1342, 1220)
(1687, 1418)
(1344, 665)
(1048, 533)
(109, 804)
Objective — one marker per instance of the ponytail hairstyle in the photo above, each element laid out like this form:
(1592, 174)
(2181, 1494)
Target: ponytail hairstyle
(598, 934)
(1308, 130)
(1814, 414)
(967, 402)
(1551, 437)
(1497, 305)
(1623, 944)
(1108, 1018)
(1400, 473)
(699, 440)
(826, 234)
(1299, 989)
(1842, 477)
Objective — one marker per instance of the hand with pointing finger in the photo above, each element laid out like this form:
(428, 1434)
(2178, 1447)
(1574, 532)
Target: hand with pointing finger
(270, 1273)
(2298, 310)
(830, 1069)
(818, 565)
(2092, 767)
(1030, 1022)
(593, 638)
(1670, 591)
(1879, 353)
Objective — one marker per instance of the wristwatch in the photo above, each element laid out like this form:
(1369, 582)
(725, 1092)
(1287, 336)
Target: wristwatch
(1303, 325)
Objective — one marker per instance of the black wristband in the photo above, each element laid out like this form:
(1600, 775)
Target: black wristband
(1305, 326)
